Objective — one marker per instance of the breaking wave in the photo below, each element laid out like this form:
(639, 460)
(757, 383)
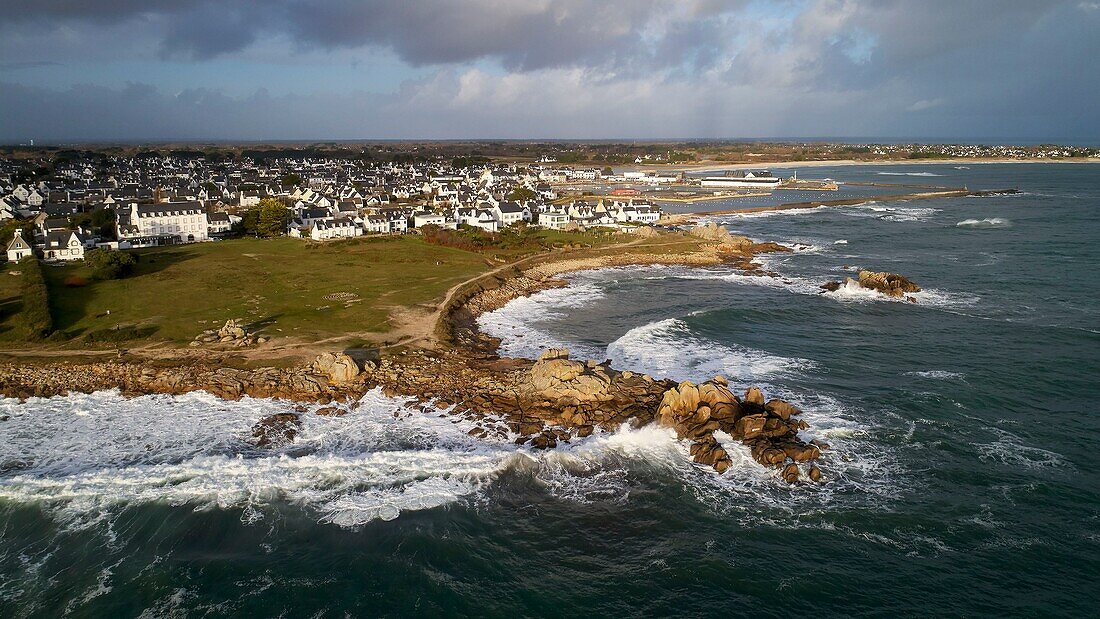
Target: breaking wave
(991, 222)
(512, 323)
(668, 349)
(892, 212)
(935, 374)
(908, 174)
(851, 291)
(84, 458)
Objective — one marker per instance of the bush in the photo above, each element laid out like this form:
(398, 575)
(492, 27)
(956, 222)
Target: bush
(109, 264)
(75, 281)
(35, 317)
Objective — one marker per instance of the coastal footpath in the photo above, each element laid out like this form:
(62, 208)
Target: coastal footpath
(541, 403)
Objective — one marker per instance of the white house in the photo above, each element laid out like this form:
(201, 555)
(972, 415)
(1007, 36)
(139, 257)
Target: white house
(424, 219)
(220, 223)
(19, 248)
(63, 245)
(335, 229)
(478, 218)
(510, 213)
(554, 220)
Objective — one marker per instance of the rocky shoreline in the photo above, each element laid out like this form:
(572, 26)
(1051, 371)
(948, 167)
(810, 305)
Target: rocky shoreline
(540, 403)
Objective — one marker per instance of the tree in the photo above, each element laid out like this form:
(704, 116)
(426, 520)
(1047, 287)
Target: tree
(7, 231)
(521, 194)
(607, 171)
(267, 219)
(109, 264)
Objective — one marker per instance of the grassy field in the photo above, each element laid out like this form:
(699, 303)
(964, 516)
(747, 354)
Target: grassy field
(286, 287)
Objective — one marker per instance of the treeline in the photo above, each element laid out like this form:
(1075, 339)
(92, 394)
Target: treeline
(35, 317)
(470, 238)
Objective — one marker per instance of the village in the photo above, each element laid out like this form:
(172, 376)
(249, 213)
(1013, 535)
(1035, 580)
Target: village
(121, 203)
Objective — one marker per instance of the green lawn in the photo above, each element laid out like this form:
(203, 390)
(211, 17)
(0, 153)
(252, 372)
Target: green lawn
(277, 285)
(176, 292)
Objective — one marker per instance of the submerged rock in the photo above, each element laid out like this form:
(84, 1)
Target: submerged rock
(276, 430)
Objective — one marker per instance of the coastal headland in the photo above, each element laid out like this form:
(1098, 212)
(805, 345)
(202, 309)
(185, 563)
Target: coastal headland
(455, 370)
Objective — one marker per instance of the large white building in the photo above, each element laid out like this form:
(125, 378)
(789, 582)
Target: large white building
(168, 222)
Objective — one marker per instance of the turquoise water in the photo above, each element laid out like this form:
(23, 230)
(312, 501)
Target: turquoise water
(961, 479)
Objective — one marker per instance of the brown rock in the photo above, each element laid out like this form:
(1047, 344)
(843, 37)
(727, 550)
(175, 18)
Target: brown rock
(754, 396)
(338, 367)
(276, 430)
(790, 473)
(782, 409)
(815, 474)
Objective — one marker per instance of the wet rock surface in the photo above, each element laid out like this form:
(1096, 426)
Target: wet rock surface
(889, 284)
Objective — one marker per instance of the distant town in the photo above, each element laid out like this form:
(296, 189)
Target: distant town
(59, 203)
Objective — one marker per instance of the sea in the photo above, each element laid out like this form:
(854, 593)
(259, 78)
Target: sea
(962, 477)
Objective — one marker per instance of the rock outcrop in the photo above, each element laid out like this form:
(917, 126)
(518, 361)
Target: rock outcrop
(767, 428)
(232, 333)
(889, 284)
(276, 430)
(339, 367)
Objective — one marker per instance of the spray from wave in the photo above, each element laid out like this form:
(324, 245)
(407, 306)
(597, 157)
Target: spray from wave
(991, 222)
(84, 459)
(669, 349)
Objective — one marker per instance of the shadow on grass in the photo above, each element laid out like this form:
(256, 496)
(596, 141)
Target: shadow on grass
(69, 304)
(121, 333)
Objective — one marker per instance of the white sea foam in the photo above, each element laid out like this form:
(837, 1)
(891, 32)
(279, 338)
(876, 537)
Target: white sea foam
(840, 242)
(83, 455)
(1010, 450)
(895, 211)
(908, 174)
(512, 323)
(991, 222)
(763, 214)
(803, 248)
(668, 349)
(935, 374)
(851, 292)
(83, 458)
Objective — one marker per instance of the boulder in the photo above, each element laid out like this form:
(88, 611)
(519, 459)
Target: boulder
(337, 366)
(890, 284)
(790, 473)
(754, 396)
(782, 409)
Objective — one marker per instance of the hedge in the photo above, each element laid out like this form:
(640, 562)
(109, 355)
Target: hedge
(35, 316)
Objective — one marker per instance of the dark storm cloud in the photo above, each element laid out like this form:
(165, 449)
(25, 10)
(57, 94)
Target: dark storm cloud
(522, 35)
(570, 68)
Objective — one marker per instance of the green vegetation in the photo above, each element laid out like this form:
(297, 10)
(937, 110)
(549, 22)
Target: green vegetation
(35, 314)
(522, 194)
(347, 289)
(109, 264)
(266, 220)
(7, 231)
(102, 220)
(512, 241)
(278, 284)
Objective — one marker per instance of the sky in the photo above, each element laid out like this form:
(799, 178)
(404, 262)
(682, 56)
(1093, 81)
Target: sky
(205, 70)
